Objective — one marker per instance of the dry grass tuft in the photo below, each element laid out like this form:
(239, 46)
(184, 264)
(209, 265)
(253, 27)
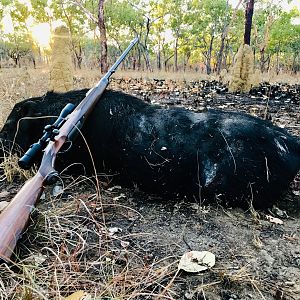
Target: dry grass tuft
(18, 85)
(10, 169)
(72, 249)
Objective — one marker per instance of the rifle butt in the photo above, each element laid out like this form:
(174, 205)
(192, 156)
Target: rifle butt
(15, 216)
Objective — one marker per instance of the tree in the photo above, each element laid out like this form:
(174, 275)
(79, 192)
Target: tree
(161, 15)
(18, 44)
(126, 19)
(91, 12)
(285, 39)
(266, 14)
(248, 21)
(206, 20)
(103, 39)
(225, 33)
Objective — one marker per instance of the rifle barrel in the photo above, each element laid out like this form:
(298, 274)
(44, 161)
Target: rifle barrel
(120, 59)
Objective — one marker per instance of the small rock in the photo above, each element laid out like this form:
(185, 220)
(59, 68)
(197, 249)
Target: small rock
(57, 190)
(189, 295)
(114, 230)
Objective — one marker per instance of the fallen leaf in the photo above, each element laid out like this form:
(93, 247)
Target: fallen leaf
(3, 204)
(113, 230)
(125, 244)
(115, 187)
(274, 220)
(57, 190)
(36, 259)
(79, 295)
(196, 261)
(121, 196)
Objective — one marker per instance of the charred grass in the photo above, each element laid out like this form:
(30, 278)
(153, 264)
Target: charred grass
(117, 243)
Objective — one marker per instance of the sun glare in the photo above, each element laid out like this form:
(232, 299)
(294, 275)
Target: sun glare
(41, 34)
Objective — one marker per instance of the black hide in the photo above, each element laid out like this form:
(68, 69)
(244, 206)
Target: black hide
(209, 155)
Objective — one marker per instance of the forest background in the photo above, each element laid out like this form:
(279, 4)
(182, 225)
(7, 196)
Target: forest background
(175, 35)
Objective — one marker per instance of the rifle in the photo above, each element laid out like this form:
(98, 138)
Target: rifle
(15, 216)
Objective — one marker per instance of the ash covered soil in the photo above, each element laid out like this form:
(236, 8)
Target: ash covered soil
(127, 246)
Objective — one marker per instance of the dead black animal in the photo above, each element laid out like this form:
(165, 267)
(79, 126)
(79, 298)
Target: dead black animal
(214, 155)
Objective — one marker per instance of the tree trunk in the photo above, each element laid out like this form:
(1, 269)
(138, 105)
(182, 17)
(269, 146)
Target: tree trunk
(158, 60)
(133, 63)
(277, 60)
(248, 21)
(186, 61)
(209, 52)
(226, 61)
(78, 55)
(224, 35)
(139, 61)
(159, 56)
(262, 60)
(33, 62)
(294, 65)
(103, 39)
(176, 55)
(264, 43)
(146, 58)
(220, 54)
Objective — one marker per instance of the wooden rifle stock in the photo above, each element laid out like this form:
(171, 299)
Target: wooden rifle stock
(15, 216)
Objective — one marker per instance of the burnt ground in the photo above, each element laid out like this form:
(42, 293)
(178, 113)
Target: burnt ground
(127, 245)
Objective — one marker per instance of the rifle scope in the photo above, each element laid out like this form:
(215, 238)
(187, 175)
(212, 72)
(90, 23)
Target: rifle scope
(50, 131)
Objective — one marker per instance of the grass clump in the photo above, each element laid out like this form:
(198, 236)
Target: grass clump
(10, 169)
(70, 248)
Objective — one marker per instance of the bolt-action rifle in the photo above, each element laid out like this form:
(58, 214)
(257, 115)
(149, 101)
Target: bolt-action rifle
(15, 216)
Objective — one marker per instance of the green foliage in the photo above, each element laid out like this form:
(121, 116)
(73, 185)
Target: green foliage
(192, 28)
(123, 20)
(40, 10)
(285, 36)
(18, 43)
